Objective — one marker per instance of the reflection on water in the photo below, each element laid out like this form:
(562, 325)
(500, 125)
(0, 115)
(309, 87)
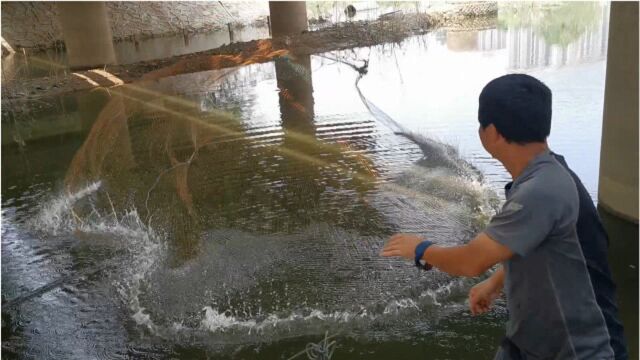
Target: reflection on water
(128, 52)
(336, 11)
(556, 35)
(557, 23)
(239, 212)
(567, 33)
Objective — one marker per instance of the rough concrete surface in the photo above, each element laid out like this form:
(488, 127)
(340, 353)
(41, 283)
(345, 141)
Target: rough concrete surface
(29, 24)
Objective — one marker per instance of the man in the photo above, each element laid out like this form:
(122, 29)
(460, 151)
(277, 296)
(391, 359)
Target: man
(594, 243)
(553, 313)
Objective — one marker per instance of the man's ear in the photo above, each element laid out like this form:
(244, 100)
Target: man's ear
(493, 134)
(498, 137)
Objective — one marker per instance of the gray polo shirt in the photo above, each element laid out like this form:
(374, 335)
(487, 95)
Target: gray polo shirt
(553, 313)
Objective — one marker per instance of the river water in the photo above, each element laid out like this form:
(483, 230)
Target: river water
(239, 213)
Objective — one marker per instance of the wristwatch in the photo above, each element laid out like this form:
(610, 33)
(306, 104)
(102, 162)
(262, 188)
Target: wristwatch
(420, 249)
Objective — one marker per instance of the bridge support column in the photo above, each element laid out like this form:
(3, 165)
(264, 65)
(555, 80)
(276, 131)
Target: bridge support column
(287, 17)
(618, 185)
(87, 34)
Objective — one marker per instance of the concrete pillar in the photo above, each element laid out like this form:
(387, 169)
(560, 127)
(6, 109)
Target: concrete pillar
(623, 260)
(287, 17)
(618, 189)
(87, 34)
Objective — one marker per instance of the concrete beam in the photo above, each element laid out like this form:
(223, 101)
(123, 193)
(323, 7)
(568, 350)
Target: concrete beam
(288, 17)
(618, 186)
(87, 34)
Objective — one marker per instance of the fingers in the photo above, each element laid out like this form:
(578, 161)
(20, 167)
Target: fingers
(477, 308)
(392, 248)
(394, 240)
(390, 252)
(399, 238)
(478, 303)
(388, 249)
(401, 245)
(472, 302)
(474, 306)
(483, 307)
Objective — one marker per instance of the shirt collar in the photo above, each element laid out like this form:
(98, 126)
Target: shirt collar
(531, 167)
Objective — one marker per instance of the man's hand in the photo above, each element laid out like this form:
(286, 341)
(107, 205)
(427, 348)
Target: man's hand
(470, 260)
(482, 295)
(403, 245)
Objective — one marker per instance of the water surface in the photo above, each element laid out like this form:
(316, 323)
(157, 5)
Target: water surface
(239, 213)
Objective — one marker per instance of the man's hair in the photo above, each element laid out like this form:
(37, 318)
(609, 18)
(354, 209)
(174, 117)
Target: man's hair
(519, 106)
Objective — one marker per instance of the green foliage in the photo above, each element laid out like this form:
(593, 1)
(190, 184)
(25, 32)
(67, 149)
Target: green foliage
(559, 23)
(325, 9)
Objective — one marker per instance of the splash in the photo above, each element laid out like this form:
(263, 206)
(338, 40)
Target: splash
(57, 214)
(143, 247)
(236, 329)
(215, 321)
(218, 323)
(61, 215)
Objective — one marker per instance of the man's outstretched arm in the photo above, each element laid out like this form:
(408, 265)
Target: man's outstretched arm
(470, 260)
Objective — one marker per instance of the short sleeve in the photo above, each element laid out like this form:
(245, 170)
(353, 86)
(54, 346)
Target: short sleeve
(524, 222)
